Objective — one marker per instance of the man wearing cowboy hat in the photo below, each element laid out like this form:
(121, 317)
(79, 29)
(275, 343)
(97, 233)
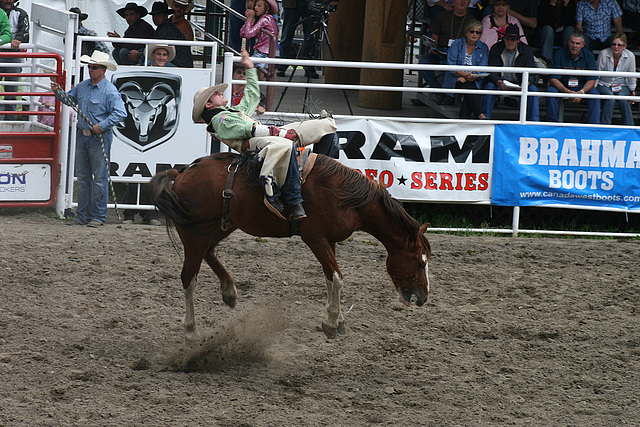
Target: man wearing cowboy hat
(87, 46)
(131, 53)
(101, 102)
(180, 7)
(511, 52)
(161, 55)
(237, 129)
(167, 31)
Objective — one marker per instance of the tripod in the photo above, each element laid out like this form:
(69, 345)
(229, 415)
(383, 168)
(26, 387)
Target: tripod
(316, 38)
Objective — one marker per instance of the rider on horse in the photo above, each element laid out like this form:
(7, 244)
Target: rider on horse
(237, 129)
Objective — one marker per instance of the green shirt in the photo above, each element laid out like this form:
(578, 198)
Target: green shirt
(5, 28)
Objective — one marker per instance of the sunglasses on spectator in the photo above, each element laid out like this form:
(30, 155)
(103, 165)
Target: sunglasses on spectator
(95, 67)
(475, 31)
(617, 44)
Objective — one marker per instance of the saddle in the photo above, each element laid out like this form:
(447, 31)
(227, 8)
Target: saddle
(306, 159)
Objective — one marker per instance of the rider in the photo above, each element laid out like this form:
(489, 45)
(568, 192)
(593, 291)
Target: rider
(236, 128)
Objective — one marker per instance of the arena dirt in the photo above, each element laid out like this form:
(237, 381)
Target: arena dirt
(518, 331)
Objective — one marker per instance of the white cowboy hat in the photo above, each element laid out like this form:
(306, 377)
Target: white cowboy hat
(188, 3)
(99, 58)
(171, 50)
(200, 98)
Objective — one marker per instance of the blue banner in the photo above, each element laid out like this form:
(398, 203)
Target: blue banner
(546, 165)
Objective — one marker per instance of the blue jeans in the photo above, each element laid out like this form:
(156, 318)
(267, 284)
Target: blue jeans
(593, 107)
(547, 38)
(7, 88)
(291, 189)
(429, 75)
(608, 104)
(533, 104)
(121, 56)
(235, 41)
(93, 181)
(291, 16)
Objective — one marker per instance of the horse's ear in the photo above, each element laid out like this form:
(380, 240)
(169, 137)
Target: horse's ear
(424, 227)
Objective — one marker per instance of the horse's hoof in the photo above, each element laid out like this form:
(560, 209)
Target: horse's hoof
(342, 329)
(229, 300)
(329, 331)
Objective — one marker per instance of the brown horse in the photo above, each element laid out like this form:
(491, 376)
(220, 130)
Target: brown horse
(338, 200)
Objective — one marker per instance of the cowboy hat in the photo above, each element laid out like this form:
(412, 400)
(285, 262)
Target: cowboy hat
(160, 7)
(512, 30)
(201, 97)
(77, 10)
(171, 50)
(273, 7)
(188, 3)
(132, 6)
(99, 58)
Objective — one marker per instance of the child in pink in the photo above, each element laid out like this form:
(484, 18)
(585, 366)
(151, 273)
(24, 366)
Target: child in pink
(261, 24)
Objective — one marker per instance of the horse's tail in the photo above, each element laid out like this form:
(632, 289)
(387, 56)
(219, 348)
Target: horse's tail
(166, 200)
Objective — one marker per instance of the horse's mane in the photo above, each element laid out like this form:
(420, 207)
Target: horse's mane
(359, 192)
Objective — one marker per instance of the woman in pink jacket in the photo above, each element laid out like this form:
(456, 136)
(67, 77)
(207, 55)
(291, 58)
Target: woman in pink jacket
(261, 25)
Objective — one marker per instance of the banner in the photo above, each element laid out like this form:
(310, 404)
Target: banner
(421, 161)
(542, 165)
(158, 132)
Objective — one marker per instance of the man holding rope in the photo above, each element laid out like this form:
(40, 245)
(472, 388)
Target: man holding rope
(101, 107)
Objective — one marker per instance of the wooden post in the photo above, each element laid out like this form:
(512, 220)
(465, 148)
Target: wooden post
(384, 41)
(346, 28)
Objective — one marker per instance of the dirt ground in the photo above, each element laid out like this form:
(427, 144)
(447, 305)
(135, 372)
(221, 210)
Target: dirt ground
(518, 331)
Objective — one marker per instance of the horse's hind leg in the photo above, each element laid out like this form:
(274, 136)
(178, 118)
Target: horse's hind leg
(227, 286)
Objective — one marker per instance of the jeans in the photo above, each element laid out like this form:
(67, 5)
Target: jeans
(547, 38)
(597, 44)
(429, 75)
(93, 181)
(471, 106)
(533, 103)
(608, 104)
(291, 189)
(235, 41)
(593, 107)
(7, 88)
(121, 56)
(291, 16)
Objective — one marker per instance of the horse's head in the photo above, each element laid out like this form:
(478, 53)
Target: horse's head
(410, 271)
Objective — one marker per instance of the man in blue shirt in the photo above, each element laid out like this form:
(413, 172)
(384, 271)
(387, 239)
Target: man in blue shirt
(594, 18)
(101, 102)
(574, 57)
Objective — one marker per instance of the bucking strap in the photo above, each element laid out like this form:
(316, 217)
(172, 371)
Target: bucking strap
(227, 194)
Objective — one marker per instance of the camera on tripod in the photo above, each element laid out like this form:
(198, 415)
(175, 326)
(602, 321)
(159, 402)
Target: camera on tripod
(319, 7)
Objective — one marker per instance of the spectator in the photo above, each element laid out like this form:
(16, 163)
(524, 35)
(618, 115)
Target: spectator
(180, 7)
(556, 19)
(132, 53)
(166, 30)
(526, 12)
(631, 19)
(161, 55)
(617, 58)
(494, 25)
(48, 104)
(436, 7)
(5, 29)
(469, 51)
(261, 26)
(87, 46)
(19, 29)
(511, 52)
(594, 17)
(235, 41)
(99, 99)
(447, 28)
(574, 56)
(237, 89)
(294, 13)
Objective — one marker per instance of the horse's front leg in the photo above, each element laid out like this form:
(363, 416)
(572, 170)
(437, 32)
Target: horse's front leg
(325, 252)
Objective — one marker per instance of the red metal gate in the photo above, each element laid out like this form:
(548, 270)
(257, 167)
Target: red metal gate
(29, 164)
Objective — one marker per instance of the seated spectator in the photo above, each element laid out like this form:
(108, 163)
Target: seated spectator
(594, 17)
(469, 51)
(237, 89)
(631, 19)
(166, 30)
(526, 12)
(436, 7)
(511, 52)
(132, 53)
(556, 19)
(180, 7)
(448, 27)
(617, 58)
(495, 24)
(87, 46)
(574, 56)
(161, 55)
